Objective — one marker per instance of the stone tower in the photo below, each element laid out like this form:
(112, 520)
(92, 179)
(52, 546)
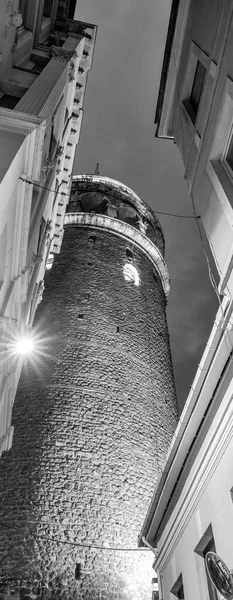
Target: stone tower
(93, 417)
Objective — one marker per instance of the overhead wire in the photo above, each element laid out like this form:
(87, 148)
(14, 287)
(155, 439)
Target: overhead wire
(43, 187)
(68, 195)
(90, 546)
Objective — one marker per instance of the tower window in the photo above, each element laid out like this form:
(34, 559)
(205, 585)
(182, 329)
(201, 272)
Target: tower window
(77, 573)
(131, 274)
(129, 254)
(91, 240)
(80, 316)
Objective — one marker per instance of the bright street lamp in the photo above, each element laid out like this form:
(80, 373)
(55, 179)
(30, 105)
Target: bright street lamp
(24, 346)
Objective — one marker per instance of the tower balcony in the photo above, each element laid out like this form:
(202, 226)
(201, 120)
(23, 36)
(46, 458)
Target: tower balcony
(104, 196)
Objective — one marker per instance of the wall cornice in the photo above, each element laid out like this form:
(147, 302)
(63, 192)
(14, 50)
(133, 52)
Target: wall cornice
(18, 122)
(124, 230)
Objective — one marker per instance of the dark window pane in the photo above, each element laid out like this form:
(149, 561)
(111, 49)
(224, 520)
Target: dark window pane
(178, 588)
(198, 81)
(8, 101)
(229, 159)
(71, 9)
(180, 593)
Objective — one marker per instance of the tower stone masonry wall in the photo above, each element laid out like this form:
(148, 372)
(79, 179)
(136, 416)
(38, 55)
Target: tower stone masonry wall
(92, 427)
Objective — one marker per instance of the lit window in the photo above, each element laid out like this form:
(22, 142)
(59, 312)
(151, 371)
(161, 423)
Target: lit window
(198, 82)
(131, 274)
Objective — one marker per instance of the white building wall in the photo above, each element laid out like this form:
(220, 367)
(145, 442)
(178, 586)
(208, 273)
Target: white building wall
(29, 178)
(204, 500)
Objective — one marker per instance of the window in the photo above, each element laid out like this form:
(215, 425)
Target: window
(229, 153)
(131, 274)
(178, 588)
(197, 67)
(205, 545)
(198, 82)
(155, 588)
(129, 254)
(3, 252)
(7, 101)
(53, 142)
(77, 573)
(71, 9)
(57, 185)
(41, 234)
(80, 316)
(91, 240)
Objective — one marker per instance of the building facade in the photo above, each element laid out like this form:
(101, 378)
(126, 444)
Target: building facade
(46, 57)
(94, 419)
(195, 108)
(191, 508)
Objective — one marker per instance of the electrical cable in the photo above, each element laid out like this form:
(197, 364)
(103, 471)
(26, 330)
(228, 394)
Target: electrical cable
(54, 539)
(43, 187)
(175, 215)
(97, 547)
(159, 212)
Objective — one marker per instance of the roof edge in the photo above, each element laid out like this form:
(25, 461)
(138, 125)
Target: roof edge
(166, 60)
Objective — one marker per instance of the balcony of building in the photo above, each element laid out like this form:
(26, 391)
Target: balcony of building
(30, 33)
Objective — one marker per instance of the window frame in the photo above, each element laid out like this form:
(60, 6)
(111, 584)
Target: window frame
(193, 103)
(196, 55)
(178, 588)
(226, 164)
(206, 544)
(218, 169)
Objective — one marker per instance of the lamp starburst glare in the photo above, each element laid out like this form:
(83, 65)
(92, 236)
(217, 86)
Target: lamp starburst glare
(24, 345)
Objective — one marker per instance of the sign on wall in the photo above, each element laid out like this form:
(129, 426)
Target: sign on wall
(219, 574)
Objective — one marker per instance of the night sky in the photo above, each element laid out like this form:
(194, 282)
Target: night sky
(118, 132)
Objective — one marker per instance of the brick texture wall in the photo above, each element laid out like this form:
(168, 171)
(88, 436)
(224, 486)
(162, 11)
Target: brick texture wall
(93, 419)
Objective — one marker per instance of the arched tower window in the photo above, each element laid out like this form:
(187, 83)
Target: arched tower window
(129, 253)
(131, 274)
(91, 240)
